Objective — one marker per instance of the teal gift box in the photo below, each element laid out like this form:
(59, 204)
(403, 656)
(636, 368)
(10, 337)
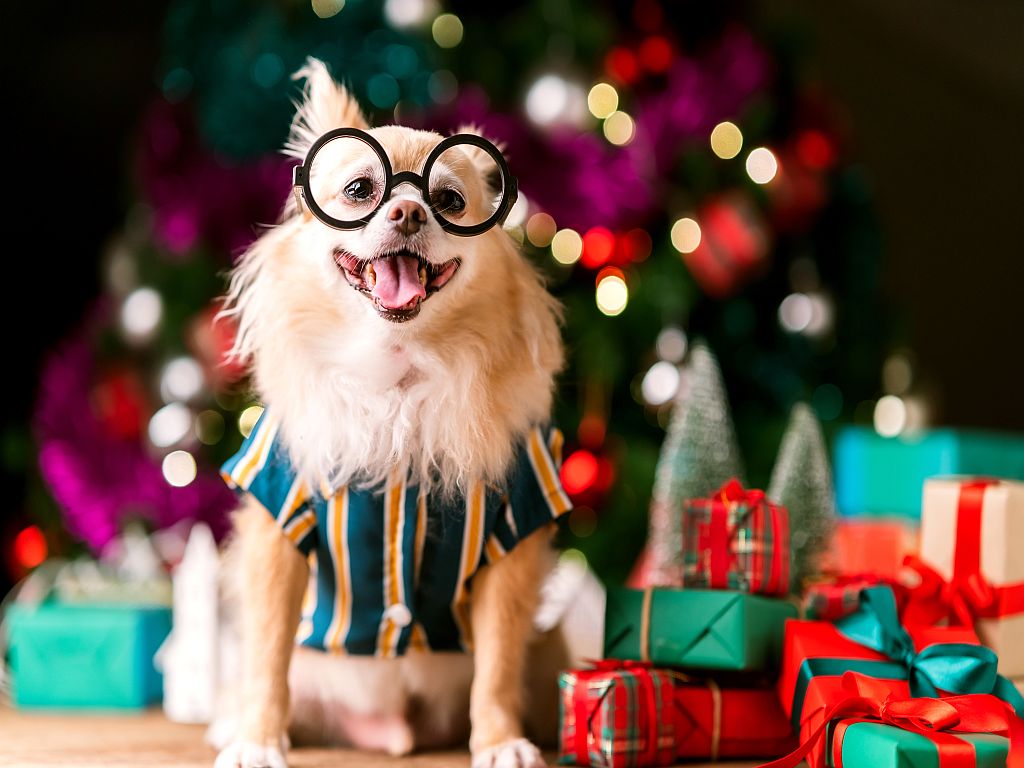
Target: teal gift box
(877, 475)
(696, 628)
(874, 745)
(68, 655)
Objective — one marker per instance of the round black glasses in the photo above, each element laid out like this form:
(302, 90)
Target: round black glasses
(346, 177)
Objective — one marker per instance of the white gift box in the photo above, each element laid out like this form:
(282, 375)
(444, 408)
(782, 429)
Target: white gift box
(957, 508)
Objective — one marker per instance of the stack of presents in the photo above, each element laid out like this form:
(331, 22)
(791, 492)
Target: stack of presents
(904, 654)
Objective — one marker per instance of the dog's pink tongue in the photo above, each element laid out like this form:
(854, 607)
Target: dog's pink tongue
(398, 281)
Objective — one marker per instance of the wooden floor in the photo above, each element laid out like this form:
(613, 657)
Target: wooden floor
(148, 739)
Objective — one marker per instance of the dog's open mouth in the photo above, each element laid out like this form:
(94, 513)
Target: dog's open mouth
(398, 282)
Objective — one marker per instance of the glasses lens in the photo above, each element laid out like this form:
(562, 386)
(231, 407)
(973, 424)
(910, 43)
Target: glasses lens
(466, 185)
(347, 178)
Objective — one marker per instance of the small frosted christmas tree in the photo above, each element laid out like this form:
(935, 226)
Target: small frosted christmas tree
(802, 482)
(700, 453)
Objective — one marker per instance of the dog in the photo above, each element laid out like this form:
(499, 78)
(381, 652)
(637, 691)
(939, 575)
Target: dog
(401, 489)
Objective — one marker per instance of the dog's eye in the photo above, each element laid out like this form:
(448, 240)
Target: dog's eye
(449, 201)
(360, 189)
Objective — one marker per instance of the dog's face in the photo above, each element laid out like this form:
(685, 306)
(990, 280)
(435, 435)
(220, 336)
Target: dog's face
(402, 256)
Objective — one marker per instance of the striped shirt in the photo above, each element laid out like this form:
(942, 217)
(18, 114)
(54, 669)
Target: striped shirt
(391, 567)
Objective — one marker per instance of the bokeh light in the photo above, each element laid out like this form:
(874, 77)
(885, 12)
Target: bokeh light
(30, 547)
(247, 419)
(170, 425)
(619, 128)
(552, 99)
(540, 229)
(762, 165)
(660, 383)
(685, 235)
(443, 86)
(602, 100)
(890, 416)
(182, 379)
(566, 246)
(179, 468)
(447, 30)
(579, 471)
(726, 140)
(897, 374)
(671, 344)
(796, 312)
(598, 245)
(612, 294)
(209, 427)
(403, 14)
(141, 313)
(327, 8)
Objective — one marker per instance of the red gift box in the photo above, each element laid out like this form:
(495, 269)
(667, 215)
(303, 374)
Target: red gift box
(616, 716)
(630, 714)
(861, 699)
(714, 723)
(815, 657)
(737, 539)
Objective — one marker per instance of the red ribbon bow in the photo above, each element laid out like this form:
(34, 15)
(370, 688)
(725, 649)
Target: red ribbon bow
(868, 700)
(968, 595)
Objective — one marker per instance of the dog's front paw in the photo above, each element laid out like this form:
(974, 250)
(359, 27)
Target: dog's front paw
(249, 754)
(515, 753)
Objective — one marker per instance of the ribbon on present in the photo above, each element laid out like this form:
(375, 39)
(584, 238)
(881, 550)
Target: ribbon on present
(648, 726)
(646, 715)
(956, 668)
(716, 538)
(864, 699)
(968, 595)
(833, 596)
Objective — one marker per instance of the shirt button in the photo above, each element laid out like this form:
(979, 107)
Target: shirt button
(399, 614)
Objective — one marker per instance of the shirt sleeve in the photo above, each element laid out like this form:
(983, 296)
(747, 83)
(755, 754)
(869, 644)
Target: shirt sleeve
(535, 494)
(263, 469)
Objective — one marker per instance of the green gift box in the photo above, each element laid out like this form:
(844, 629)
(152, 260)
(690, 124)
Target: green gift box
(86, 655)
(874, 745)
(699, 629)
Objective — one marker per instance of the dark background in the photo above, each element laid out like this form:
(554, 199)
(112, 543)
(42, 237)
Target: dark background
(932, 91)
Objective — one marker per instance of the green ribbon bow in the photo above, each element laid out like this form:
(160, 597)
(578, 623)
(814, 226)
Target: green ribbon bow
(956, 668)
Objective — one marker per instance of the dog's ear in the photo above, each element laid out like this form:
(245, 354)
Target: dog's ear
(483, 162)
(325, 105)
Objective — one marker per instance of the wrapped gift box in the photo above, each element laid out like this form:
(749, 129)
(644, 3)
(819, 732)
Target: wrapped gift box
(626, 714)
(696, 629)
(870, 723)
(833, 598)
(86, 656)
(742, 722)
(736, 539)
(862, 744)
(878, 475)
(870, 545)
(817, 654)
(616, 716)
(972, 532)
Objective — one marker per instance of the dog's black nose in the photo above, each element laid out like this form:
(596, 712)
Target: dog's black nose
(407, 216)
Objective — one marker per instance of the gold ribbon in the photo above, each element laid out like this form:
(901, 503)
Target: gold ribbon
(716, 692)
(716, 706)
(645, 624)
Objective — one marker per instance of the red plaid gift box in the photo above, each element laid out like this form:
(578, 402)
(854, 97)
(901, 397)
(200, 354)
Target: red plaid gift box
(617, 715)
(736, 540)
(833, 598)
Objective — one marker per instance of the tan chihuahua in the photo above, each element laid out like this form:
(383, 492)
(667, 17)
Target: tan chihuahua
(401, 486)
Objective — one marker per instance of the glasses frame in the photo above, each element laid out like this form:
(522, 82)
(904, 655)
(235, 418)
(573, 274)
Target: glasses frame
(509, 184)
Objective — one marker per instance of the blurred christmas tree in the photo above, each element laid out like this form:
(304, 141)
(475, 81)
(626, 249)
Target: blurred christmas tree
(679, 177)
